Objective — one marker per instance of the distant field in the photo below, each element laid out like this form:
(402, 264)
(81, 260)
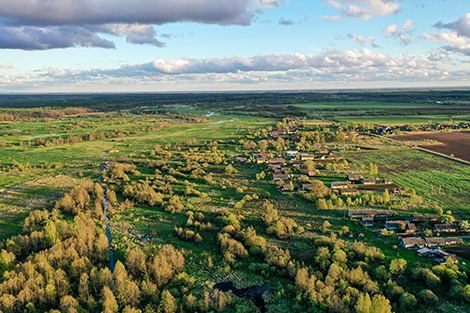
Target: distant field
(400, 119)
(423, 172)
(362, 105)
(456, 143)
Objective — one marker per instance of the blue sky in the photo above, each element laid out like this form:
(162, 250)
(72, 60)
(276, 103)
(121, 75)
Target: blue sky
(218, 45)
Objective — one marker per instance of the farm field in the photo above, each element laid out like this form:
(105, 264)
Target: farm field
(400, 120)
(424, 172)
(455, 143)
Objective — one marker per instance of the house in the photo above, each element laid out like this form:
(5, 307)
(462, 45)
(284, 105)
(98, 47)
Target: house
(388, 181)
(424, 218)
(339, 184)
(384, 213)
(348, 191)
(399, 191)
(410, 228)
(370, 213)
(453, 240)
(311, 173)
(447, 228)
(396, 225)
(435, 241)
(285, 187)
(307, 186)
(369, 181)
(361, 213)
(277, 161)
(307, 156)
(292, 153)
(359, 234)
(261, 160)
(331, 155)
(281, 177)
(451, 258)
(354, 177)
(412, 242)
(367, 221)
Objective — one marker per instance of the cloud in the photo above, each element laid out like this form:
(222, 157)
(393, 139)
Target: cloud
(400, 33)
(362, 40)
(286, 22)
(332, 69)
(335, 18)
(364, 9)
(460, 26)
(456, 43)
(6, 66)
(31, 24)
(458, 39)
(43, 38)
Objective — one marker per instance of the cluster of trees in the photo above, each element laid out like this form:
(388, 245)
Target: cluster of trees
(279, 226)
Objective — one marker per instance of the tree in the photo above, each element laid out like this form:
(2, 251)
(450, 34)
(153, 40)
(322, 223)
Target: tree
(464, 225)
(318, 189)
(386, 196)
(363, 303)
(230, 170)
(397, 266)
(167, 304)
(109, 301)
(321, 204)
(407, 301)
(447, 219)
(380, 304)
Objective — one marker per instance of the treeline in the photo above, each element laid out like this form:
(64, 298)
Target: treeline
(7, 115)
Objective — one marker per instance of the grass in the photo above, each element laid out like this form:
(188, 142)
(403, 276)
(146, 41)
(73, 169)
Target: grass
(424, 172)
(401, 119)
(362, 105)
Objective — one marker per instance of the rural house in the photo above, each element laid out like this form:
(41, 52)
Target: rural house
(445, 228)
(369, 181)
(339, 184)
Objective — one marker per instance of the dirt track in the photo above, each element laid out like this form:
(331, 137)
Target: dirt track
(456, 143)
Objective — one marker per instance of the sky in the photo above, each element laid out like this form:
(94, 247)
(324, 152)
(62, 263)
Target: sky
(89, 46)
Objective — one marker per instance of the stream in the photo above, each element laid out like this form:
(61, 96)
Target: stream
(108, 232)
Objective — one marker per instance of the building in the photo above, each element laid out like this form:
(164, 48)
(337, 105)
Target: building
(367, 221)
(370, 213)
(339, 184)
(369, 181)
(292, 153)
(307, 156)
(445, 228)
(412, 242)
(396, 225)
(348, 191)
(424, 218)
(388, 181)
(281, 177)
(354, 177)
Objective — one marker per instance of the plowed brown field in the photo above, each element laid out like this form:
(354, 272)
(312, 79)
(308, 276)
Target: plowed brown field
(456, 143)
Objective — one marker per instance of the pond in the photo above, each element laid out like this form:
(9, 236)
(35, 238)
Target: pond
(254, 293)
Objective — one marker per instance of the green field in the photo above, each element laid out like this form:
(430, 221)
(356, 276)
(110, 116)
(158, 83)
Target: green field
(360, 105)
(385, 120)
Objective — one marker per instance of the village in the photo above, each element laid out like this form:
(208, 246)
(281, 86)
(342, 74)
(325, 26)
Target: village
(299, 171)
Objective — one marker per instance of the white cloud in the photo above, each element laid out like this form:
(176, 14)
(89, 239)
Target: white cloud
(363, 40)
(400, 33)
(34, 24)
(364, 9)
(456, 43)
(335, 18)
(458, 39)
(330, 69)
(6, 66)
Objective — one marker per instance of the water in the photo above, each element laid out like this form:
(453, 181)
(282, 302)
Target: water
(220, 122)
(108, 232)
(254, 293)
